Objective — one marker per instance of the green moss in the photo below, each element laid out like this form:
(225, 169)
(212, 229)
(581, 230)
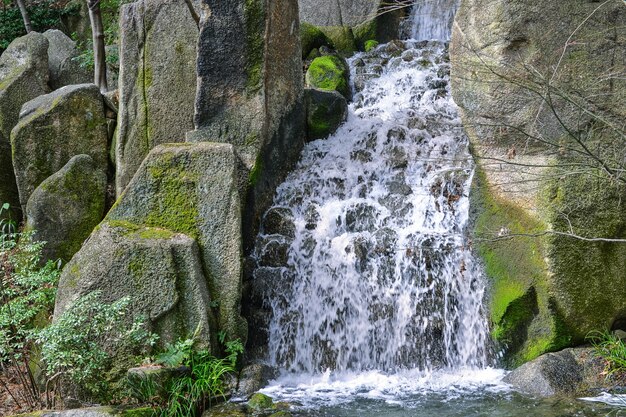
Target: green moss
(518, 302)
(255, 173)
(255, 43)
(155, 233)
(312, 38)
(260, 401)
(175, 208)
(364, 32)
(341, 37)
(370, 45)
(329, 73)
(138, 412)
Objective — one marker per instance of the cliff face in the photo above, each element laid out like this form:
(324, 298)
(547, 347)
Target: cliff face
(542, 91)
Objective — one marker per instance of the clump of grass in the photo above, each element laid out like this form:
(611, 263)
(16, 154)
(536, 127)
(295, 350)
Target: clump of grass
(611, 349)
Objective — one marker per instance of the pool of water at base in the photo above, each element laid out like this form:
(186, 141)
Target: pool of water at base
(440, 394)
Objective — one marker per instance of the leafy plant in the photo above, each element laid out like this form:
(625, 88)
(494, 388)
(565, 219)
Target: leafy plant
(612, 349)
(82, 344)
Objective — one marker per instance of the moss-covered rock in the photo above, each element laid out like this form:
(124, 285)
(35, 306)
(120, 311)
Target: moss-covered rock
(370, 45)
(158, 45)
(329, 73)
(547, 291)
(259, 402)
(93, 412)
(326, 111)
(52, 129)
(193, 189)
(312, 38)
(159, 269)
(66, 207)
(23, 76)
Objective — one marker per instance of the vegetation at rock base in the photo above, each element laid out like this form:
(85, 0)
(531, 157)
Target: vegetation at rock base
(192, 393)
(612, 349)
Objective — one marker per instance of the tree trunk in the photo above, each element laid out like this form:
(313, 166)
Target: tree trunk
(99, 53)
(25, 18)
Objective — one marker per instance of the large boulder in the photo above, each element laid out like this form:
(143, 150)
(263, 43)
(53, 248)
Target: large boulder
(52, 129)
(63, 67)
(251, 94)
(326, 111)
(513, 72)
(193, 189)
(157, 86)
(161, 270)
(23, 76)
(66, 207)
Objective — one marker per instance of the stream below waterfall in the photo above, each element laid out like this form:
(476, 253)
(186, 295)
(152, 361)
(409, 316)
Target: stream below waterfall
(373, 299)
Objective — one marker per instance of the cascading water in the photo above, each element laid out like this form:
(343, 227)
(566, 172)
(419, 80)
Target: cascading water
(378, 272)
(432, 19)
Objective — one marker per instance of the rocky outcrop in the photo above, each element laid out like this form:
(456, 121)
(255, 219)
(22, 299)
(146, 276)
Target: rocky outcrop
(193, 189)
(250, 94)
(92, 412)
(158, 41)
(63, 67)
(52, 129)
(161, 270)
(326, 111)
(529, 90)
(65, 208)
(23, 76)
(350, 23)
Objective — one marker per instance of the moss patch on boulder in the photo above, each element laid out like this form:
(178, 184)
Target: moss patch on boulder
(312, 38)
(329, 73)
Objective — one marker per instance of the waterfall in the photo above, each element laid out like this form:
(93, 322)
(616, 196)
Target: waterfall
(432, 19)
(363, 260)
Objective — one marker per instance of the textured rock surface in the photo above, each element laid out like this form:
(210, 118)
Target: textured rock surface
(65, 208)
(329, 73)
(157, 84)
(350, 23)
(250, 94)
(550, 374)
(572, 372)
(52, 129)
(326, 111)
(551, 291)
(193, 189)
(254, 377)
(23, 76)
(63, 67)
(161, 271)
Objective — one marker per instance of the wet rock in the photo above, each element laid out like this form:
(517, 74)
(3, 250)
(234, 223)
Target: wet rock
(397, 158)
(399, 188)
(227, 410)
(360, 218)
(279, 221)
(395, 48)
(65, 208)
(312, 217)
(253, 378)
(326, 111)
(52, 129)
(548, 375)
(361, 156)
(274, 253)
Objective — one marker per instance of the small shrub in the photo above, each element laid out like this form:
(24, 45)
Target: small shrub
(27, 292)
(80, 347)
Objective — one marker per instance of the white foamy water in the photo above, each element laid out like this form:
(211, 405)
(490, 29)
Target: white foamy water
(329, 389)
